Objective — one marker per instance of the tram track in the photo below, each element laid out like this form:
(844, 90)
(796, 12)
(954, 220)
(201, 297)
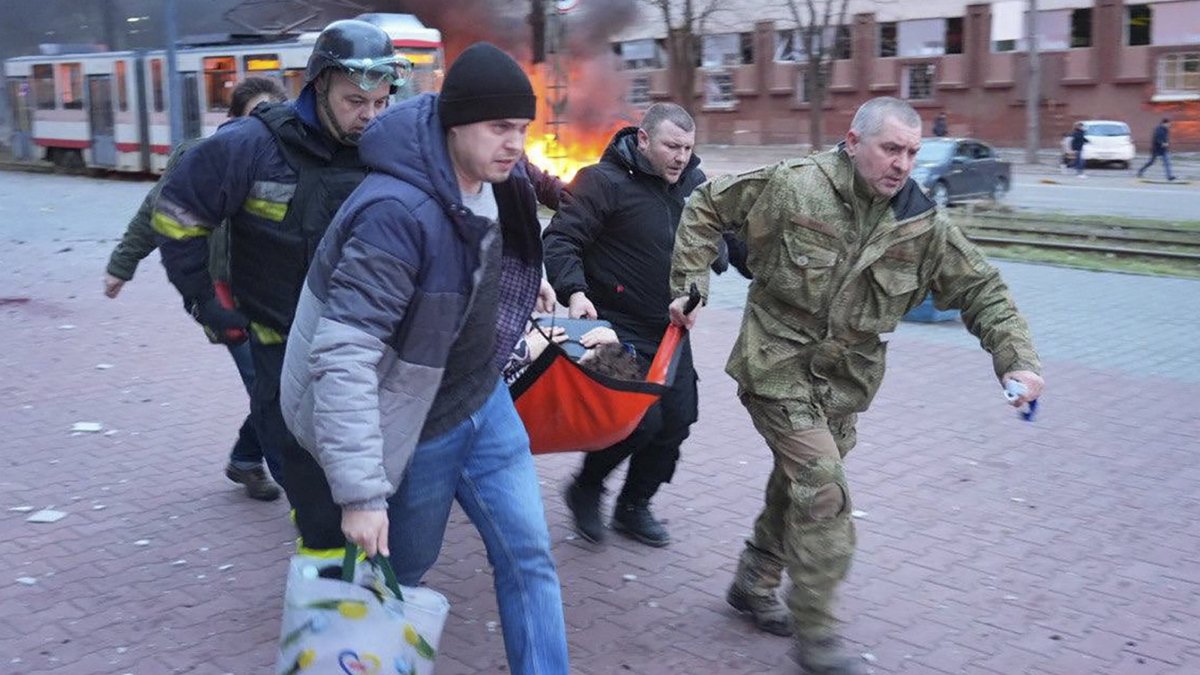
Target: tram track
(1148, 240)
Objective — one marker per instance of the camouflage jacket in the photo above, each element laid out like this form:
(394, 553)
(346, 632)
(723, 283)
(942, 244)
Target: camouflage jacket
(834, 269)
(140, 239)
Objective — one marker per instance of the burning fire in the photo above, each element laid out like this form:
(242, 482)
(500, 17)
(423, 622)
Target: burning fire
(562, 156)
(563, 152)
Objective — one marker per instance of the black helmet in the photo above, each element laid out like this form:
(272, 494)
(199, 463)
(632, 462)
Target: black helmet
(360, 49)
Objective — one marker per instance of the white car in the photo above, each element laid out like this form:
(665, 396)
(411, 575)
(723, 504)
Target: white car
(1108, 141)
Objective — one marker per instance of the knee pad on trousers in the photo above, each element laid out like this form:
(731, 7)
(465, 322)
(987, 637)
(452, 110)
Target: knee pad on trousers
(829, 501)
(820, 495)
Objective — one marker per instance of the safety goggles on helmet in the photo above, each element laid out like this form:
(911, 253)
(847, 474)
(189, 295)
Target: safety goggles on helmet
(369, 73)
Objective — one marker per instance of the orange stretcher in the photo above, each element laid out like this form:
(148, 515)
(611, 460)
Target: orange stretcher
(566, 407)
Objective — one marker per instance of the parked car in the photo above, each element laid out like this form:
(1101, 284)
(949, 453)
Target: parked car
(1108, 141)
(954, 169)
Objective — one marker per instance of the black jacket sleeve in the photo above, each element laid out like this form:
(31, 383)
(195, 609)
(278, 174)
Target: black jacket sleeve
(546, 186)
(585, 206)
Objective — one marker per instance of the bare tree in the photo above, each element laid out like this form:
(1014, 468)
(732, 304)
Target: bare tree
(684, 21)
(819, 26)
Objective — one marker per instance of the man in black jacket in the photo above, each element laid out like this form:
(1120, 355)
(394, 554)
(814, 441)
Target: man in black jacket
(608, 256)
(1158, 148)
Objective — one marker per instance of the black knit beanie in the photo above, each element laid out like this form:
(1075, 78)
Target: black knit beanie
(484, 84)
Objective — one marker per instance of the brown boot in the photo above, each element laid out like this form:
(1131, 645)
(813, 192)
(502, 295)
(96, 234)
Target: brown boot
(258, 485)
(826, 656)
(753, 592)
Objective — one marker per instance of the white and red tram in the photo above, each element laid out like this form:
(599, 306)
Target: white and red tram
(110, 110)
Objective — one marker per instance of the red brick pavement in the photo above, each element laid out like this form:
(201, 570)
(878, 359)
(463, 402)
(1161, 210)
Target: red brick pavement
(987, 545)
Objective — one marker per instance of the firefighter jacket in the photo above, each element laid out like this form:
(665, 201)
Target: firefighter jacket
(834, 267)
(140, 239)
(278, 178)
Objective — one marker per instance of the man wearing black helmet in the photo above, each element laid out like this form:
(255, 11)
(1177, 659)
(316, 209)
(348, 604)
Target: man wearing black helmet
(277, 176)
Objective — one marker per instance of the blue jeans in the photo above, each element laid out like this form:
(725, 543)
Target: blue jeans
(247, 451)
(1079, 161)
(244, 362)
(1166, 158)
(484, 463)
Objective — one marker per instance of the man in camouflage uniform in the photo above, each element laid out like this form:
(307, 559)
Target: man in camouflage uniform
(841, 245)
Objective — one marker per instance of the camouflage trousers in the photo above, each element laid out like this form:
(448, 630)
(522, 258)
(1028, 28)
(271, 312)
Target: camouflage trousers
(805, 525)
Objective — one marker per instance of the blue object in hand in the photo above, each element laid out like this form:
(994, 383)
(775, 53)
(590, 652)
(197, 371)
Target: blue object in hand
(1014, 390)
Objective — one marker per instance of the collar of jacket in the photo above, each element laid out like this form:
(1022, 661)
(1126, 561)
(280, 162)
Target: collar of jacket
(622, 150)
(910, 202)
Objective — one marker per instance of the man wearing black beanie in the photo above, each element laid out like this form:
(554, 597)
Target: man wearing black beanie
(415, 299)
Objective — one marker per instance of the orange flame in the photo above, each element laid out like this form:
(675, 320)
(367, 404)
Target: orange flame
(567, 147)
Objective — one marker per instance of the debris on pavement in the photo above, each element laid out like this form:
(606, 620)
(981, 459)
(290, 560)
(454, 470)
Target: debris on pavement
(46, 516)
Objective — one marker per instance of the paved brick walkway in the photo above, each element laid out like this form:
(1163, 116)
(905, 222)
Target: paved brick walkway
(988, 545)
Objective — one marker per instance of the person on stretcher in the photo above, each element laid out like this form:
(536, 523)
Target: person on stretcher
(605, 354)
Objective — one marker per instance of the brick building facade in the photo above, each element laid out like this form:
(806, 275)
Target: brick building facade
(1107, 59)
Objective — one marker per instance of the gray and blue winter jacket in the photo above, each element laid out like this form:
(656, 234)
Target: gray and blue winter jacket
(398, 274)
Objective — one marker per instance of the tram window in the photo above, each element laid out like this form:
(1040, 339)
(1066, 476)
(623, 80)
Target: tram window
(156, 83)
(71, 75)
(220, 77)
(257, 63)
(43, 86)
(122, 84)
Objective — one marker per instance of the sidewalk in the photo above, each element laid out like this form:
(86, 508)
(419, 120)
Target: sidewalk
(987, 545)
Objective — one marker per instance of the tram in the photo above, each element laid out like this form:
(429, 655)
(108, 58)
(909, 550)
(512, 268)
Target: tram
(111, 110)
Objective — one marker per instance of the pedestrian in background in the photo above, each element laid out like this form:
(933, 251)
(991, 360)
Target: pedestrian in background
(940, 126)
(841, 245)
(1158, 148)
(246, 459)
(1078, 140)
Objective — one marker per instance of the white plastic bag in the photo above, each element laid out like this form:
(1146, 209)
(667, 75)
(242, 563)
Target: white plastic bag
(367, 626)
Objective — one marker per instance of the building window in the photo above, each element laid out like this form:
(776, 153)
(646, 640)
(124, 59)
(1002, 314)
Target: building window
(721, 50)
(639, 91)
(1137, 25)
(156, 83)
(1053, 30)
(803, 95)
(1179, 74)
(1175, 23)
(71, 76)
(842, 43)
(789, 44)
(122, 86)
(639, 54)
(1007, 25)
(43, 87)
(922, 37)
(887, 39)
(747, 48)
(1081, 27)
(718, 90)
(220, 77)
(918, 81)
(954, 35)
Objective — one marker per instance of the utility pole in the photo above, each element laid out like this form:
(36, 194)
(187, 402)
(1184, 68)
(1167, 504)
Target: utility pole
(556, 78)
(1033, 90)
(108, 22)
(174, 84)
